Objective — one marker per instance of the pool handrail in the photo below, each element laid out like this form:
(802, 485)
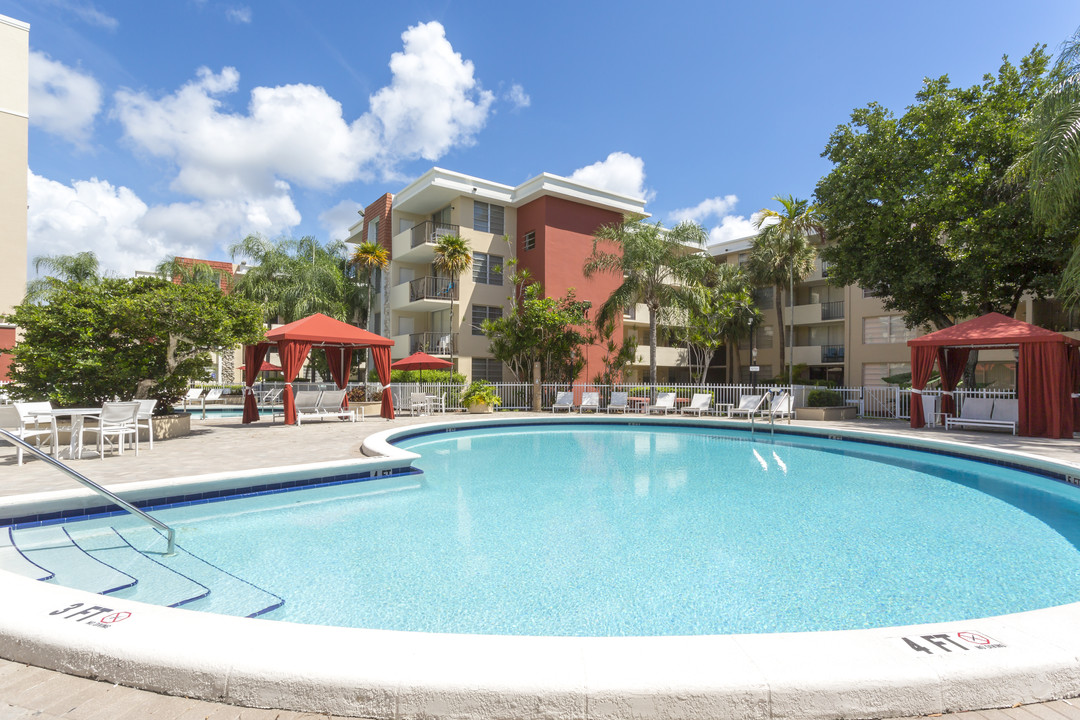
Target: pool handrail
(87, 482)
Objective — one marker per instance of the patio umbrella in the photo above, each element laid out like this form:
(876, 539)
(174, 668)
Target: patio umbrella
(421, 361)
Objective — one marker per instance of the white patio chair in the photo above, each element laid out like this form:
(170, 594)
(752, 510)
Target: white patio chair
(306, 404)
(418, 403)
(192, 395)
(699, 403)
(12, 421)
(749, 405)
(146, 418)
(117, 420)
(665, 403)
(618, 401)
(564, 401)
(589, 401)
(780, 405)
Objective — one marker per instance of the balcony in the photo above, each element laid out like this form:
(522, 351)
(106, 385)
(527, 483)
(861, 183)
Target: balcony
(817, 312)
(426, 294)
(433, 343)
(818, 354)
(832, 310)
(417, 244)
(665, 356)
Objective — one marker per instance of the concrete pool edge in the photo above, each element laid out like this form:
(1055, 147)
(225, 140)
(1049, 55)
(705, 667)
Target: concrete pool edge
(260, 663)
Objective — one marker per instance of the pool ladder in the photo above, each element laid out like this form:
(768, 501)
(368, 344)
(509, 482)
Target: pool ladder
(87, 482)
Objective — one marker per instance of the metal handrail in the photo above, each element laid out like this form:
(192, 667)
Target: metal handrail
(87, 482)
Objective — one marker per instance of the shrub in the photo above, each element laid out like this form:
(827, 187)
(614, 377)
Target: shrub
(824, 398)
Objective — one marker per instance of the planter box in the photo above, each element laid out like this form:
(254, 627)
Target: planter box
(480, 409)
(841, 412)
(371, 409)
(169, 426)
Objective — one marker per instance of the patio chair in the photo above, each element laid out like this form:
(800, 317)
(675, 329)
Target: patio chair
(589, 401)
(117, 420)
(271, 397)
(328, 405)
(665, 403)
(780, 405)
(12, 421)
(146, 418)
(192, 395)
(564, 401)
(749, 406)
(699, 403)
(418, 403)
(618, 402)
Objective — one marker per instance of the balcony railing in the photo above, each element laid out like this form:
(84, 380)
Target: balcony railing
(432, 288)
(430, 232)
(832, 353)
(433, 343)
(832, 310)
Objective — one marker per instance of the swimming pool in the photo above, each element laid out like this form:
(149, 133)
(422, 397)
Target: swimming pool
(1029, 656)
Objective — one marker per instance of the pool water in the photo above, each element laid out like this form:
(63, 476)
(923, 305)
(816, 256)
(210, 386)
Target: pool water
(618, 530)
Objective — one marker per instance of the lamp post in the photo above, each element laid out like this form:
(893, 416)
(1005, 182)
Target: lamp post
(753, 359)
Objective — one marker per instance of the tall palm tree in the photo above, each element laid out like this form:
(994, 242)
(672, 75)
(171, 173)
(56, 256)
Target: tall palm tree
(82, 268)
(193, 273)
(781, 254)
(453, 257)
(293, 278)
(367, 258)
(653, 263)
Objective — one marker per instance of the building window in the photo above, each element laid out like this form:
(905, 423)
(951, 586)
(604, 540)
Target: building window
(763, 297)
(743, 259)
(487, 218)
(487, 269)
(868, 293)
(530, 240)
(488, 369)
(480, 313)
(872, 373)
(885, 329)
(373, 230)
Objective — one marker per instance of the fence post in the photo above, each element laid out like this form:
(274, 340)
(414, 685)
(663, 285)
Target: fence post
(536, 386)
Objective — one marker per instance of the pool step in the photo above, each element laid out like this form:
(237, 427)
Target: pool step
(129, 564)
(51, 548)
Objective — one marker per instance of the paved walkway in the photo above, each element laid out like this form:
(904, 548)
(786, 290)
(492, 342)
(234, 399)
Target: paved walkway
(223, 445)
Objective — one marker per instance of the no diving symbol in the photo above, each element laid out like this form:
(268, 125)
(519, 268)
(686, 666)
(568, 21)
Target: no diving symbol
(973, 638)
(115, 617)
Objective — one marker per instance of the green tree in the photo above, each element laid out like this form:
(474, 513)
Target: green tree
(722, 316)
(93, 342)
(80, 267)
(781, 254)
(368, 258)
(653, 263)
(453, 257)
(294, 278)
(193, 273)
(916, 208)
(541, 329)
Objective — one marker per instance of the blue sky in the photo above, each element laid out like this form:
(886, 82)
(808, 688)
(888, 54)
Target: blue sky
(178, 127)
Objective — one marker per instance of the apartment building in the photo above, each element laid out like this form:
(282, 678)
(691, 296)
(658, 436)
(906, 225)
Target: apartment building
(14, 128)
(547, 223)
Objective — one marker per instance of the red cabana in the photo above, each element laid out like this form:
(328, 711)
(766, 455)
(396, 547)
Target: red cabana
(1047, 370)
(295, 341)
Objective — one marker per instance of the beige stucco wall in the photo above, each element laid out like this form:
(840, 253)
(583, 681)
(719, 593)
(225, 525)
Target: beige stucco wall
(14, 114)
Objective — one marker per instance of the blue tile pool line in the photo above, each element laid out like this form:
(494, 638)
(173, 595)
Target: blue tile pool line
(173, 501)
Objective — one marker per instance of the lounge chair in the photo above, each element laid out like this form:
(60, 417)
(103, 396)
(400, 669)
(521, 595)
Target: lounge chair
(749, 405)
(665, 403)
(698, 404)
(305, 401)
(192, 395)
(211, 395)
(564, 401)
(779, 405)
(618, 402)
(328, 405)
(271, 397)
(984, 412)
(12, 421)
(589, 401)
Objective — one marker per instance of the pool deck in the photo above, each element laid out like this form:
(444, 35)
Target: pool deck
(222, 445)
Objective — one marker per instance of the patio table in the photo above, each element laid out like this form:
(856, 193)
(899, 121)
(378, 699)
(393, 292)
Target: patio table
(78, 417)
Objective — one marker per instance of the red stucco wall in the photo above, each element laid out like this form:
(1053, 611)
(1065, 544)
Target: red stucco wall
(7, 340)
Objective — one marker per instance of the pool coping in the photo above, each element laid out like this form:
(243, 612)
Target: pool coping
(1028, 657)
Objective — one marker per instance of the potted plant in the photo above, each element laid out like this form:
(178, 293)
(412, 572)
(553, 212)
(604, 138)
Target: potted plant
(824, 404)
(480, 397)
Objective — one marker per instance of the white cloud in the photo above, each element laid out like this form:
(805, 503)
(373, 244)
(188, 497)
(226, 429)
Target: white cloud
(733, 227)
(63, 101)
(619, 173)
(127, 235)
(338, 219)
(710, 207)
(241, 15)
(85, 11)
(518, 97)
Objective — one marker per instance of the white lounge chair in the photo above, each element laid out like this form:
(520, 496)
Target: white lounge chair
(618, 402)
(192, 395)
(665, 403)
(211, 395)
(699, 403)
(780, 405)
(305, 402)
(12, 421)
(328, 405)
(984, 412)
(749, 405)
(589, 401)
(564, 401)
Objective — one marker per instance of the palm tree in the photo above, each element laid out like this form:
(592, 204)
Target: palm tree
(294, 278)
(81, 268)
(453, 257)
(367, 258)
(782, 252)
(653, 264)
(193, 273)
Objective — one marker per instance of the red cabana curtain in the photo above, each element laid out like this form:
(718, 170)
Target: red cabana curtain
(922, 364)
(1074, 367)
(253, 360)
(1044, 386)
(340, 361)
(292, 354)
(381, 356)
(951, 364)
